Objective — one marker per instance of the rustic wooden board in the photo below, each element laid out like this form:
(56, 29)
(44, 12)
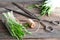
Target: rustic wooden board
(19, 0)
(4, 34)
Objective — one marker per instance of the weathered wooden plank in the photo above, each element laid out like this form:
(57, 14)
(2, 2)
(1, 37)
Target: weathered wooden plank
(40, 34)
(19, 0)
(35, 39)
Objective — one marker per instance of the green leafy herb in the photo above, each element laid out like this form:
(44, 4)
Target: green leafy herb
(16, 29)
(45, 8)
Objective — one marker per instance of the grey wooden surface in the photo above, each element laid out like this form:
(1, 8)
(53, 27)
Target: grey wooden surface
(41, 34)
(18, 0)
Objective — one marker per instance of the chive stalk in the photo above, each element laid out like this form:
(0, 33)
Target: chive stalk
(16, 29)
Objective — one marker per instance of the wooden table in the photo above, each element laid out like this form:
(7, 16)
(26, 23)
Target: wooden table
(40, 34)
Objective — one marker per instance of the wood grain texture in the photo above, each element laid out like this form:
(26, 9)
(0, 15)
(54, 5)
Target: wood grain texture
(18, 0)
(40, 35)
